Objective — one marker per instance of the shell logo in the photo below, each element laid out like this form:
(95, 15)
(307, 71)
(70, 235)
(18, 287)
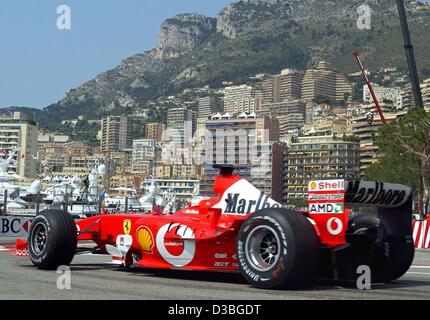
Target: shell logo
(145, 239)
(313, 185)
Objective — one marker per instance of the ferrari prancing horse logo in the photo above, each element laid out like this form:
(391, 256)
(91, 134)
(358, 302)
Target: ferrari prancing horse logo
(127, 227)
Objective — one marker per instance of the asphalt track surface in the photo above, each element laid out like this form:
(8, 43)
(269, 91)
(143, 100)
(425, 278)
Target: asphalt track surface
(93, 277)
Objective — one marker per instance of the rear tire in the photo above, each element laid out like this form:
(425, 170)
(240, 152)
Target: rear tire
(388, 257)
(52, 239)
(277, 248)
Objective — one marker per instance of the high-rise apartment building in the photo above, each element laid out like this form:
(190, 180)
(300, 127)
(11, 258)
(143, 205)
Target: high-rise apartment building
(249, 144)
(181, 123)
(290, 113)
(407, 95)
(367, 133)
(145, 156)
(117, 134)
(325, 82)
(425, 87)
(154, 131)
(318, 156)
(206, 107)
(287, 85)
(237, 97)
(176, 118)
(19, 133)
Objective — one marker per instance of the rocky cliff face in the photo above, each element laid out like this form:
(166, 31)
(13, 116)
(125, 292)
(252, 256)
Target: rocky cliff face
(181, 34)
(243, 16)
(234, 19)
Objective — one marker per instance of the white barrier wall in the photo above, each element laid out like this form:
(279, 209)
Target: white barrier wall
(421, 233)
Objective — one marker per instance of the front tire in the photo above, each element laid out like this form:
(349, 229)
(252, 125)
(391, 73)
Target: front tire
(277, 248)
(52, 239)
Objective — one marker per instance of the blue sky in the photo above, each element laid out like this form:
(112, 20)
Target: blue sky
(39, 62)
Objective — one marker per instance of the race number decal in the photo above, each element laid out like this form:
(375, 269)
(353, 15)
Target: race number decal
(175, 243)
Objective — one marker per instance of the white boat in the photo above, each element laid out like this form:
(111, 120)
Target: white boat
(124, 196)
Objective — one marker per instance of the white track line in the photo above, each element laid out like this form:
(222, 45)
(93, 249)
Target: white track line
(420, 267)
(421, 273)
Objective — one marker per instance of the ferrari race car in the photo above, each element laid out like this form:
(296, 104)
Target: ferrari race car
(348, 224)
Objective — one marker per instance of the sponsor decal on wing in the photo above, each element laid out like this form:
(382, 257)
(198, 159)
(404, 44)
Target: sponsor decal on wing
(243, 198)
(376, 194)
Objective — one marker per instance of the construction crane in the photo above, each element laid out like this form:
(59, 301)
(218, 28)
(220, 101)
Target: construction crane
(369, 85)
(410, 56)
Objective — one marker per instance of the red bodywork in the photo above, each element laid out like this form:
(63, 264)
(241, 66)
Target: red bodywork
(202, 237)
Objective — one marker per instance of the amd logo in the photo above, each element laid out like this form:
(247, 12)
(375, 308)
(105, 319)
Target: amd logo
(326, 208)
(243, 206)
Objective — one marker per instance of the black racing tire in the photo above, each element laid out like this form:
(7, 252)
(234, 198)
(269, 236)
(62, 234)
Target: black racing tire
(277, 249)
(399, 261)
(390, 258)
(52, 239)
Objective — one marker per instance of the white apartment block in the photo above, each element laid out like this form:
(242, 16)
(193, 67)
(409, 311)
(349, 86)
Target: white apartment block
(18, 132)
(393, 94)
(234, 94)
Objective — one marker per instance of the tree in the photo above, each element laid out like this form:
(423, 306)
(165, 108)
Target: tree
(404, 149)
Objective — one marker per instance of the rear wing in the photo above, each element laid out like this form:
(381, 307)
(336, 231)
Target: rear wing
(376, 194)
(331, 202)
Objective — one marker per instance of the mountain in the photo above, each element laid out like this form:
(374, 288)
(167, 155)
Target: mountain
(249, 37)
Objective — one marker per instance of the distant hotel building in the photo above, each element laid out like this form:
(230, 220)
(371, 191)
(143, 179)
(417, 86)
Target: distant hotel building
(318, 156)
(16, 132)
(324, 82)
(249, 143)
(117, 134)
(287, 85)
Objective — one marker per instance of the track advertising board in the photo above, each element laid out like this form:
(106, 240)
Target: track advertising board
(14, 227)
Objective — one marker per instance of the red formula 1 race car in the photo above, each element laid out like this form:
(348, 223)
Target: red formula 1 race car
(349, 224)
